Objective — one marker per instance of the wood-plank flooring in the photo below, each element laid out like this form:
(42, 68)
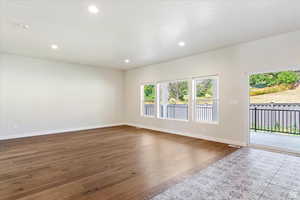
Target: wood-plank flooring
(101, 164)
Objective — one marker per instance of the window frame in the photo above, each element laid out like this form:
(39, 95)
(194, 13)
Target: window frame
(158, 108)
(142, 98)
(194, 99)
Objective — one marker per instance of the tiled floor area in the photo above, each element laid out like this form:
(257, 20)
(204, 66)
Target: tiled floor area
(247, 174)
(288, 142)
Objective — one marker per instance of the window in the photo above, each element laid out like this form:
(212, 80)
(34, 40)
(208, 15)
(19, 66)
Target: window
(148, 100)
(173, 100)
(206, 99)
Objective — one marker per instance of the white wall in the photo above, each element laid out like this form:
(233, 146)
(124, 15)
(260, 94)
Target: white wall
(233, 65)
(40, 97)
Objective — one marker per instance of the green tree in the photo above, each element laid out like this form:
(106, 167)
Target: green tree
(288, 77)
(263, 80)
(204, 88)
(178, 92)
(149, 93)
(271, 79)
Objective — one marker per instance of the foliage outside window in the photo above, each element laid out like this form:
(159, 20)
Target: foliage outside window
(173, 100)
(206, 99)
(271, 79)
(148, 100)
(267, 83)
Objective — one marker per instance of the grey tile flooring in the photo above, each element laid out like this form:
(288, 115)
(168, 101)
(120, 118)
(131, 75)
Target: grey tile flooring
(247, 174)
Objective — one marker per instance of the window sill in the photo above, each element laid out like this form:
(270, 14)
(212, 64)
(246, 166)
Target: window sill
(148, 116)
(207, 122)
(170, 119)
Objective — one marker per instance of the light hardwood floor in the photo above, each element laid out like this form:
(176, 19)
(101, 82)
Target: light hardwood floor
(101, 164)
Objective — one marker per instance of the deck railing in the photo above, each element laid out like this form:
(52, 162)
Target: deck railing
(275, 120)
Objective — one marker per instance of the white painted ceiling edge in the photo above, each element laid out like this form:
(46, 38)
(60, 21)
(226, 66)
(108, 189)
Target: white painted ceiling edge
(144, 32)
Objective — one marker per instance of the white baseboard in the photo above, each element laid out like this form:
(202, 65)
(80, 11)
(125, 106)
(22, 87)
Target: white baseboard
(39, 133)
(204, 137)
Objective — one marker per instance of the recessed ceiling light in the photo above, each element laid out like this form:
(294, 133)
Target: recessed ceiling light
(54, 46)
(181, 44)
(127, 61)
(26, 26)
(93, 9)
(22, 26)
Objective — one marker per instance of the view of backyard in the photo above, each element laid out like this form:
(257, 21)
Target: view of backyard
(174, 97)
(275, 109)
(281, 87)
(287, 96)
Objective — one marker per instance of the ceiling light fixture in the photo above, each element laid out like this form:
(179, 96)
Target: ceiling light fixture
(181, 44)
(93, 9)
(54, 46)
(22, 26)
(25, 26)
(127, 61)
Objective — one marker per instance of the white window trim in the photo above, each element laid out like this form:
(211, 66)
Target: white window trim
(194, 92)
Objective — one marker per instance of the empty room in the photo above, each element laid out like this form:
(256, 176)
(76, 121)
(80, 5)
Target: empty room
(149, 100)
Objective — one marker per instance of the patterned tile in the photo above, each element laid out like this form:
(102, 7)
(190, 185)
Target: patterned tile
(287, 181)
(235, 192)
(288, 176)
(247, 174)
(275, 192)
(244, 184)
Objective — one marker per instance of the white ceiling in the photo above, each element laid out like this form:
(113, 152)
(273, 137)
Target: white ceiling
(144, 31)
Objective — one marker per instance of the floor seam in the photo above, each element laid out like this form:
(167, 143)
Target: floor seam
(272, 177)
